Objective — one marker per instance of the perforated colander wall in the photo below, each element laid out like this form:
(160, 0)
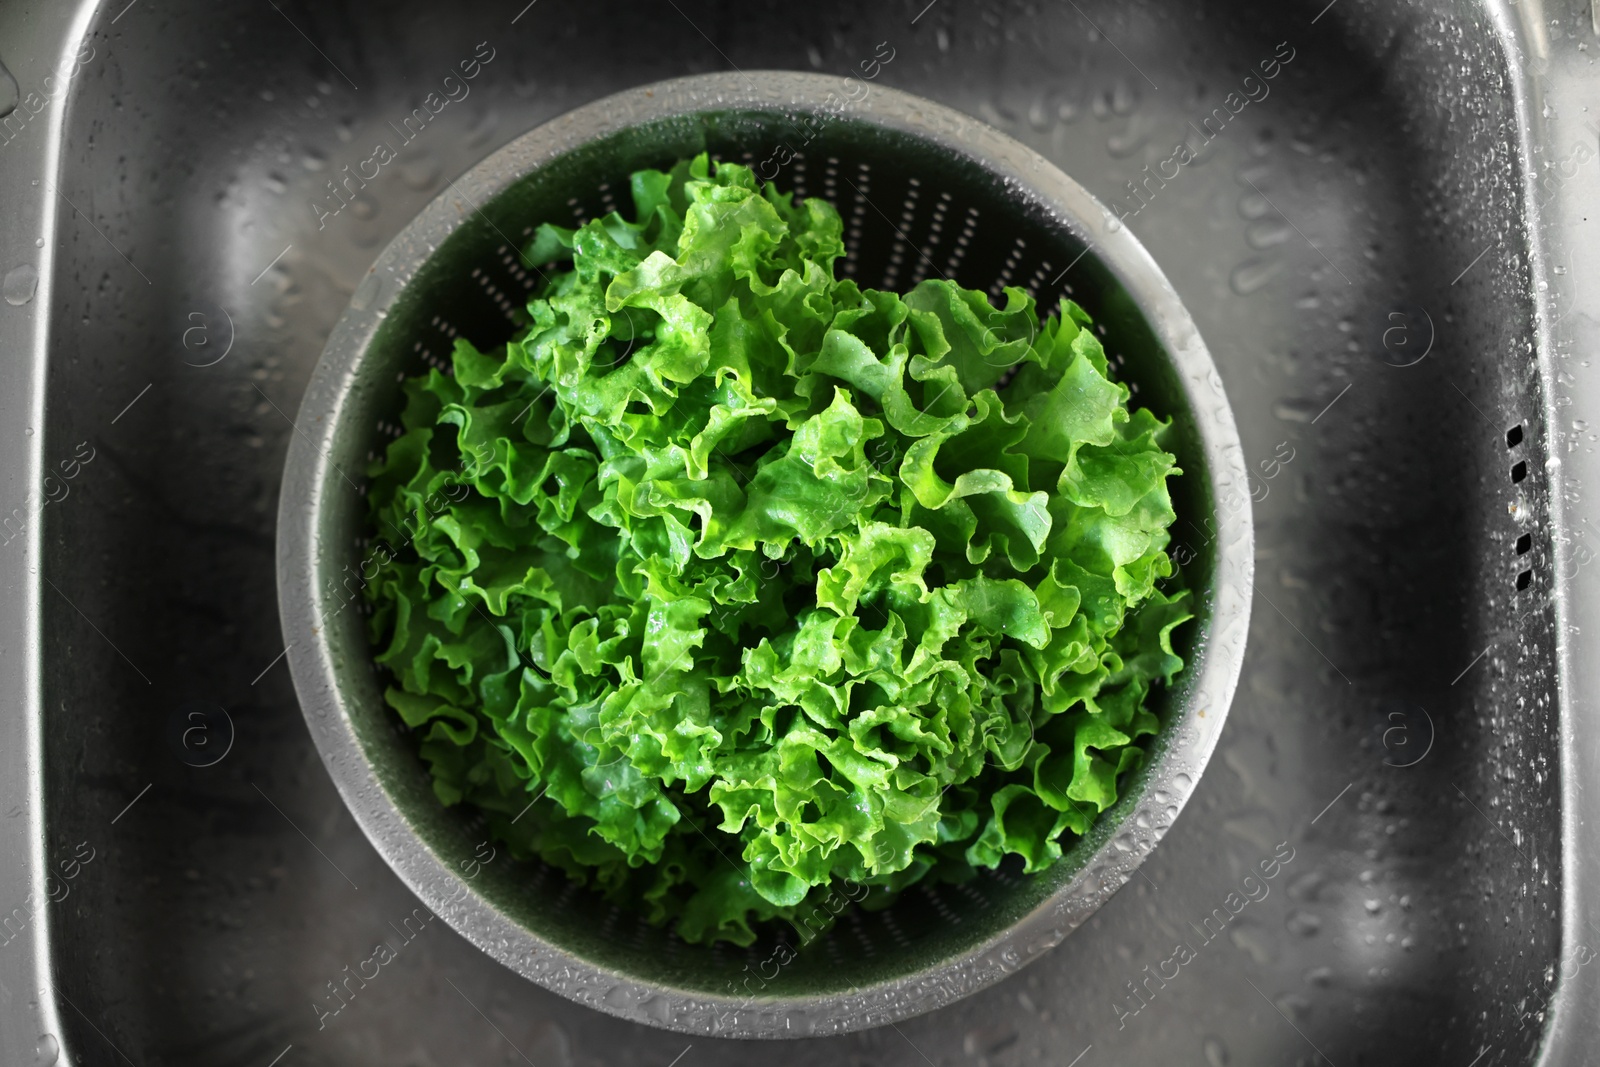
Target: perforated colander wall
(911, 210)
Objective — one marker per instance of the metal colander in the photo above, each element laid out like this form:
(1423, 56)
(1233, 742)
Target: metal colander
(924, 191)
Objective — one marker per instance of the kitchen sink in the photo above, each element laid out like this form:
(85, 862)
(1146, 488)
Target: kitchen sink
(1377, 226)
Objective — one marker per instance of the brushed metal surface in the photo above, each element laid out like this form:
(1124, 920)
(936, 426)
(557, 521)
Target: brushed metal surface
(1416, 158)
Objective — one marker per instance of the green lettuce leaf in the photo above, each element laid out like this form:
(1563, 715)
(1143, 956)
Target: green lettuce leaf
(725, 581)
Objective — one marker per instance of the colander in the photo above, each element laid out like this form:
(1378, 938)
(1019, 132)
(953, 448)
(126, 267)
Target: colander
(924, 191)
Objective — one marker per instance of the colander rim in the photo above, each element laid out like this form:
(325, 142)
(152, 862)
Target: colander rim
(309, 474)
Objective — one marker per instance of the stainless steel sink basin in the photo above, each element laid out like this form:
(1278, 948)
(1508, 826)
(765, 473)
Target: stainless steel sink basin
(1382, 226)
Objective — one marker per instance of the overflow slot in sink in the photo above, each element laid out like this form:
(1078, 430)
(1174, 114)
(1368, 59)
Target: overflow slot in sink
(1524, 544)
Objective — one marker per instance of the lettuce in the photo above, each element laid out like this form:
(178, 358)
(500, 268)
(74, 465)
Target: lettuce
(726, 580)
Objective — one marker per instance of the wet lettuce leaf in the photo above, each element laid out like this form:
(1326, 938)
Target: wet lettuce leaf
(727, 580)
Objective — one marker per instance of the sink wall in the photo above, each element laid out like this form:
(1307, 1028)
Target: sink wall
(1396, 726)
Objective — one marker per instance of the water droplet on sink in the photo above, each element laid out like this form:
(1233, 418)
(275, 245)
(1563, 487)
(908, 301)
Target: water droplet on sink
(1319, 976)
(1039, 112)
(1253, 206)
(1124, 97)
(1295, 410)
(1252, 939)
(1306, 887)
(988, 1041)
(1267, 233)
(420, 170)
(10, 95)
(1303, 923)
(1216, 1052)
(1252, 274)
(1125, 143)
(47, 1050)
(20, 284)
(1293, 1006)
